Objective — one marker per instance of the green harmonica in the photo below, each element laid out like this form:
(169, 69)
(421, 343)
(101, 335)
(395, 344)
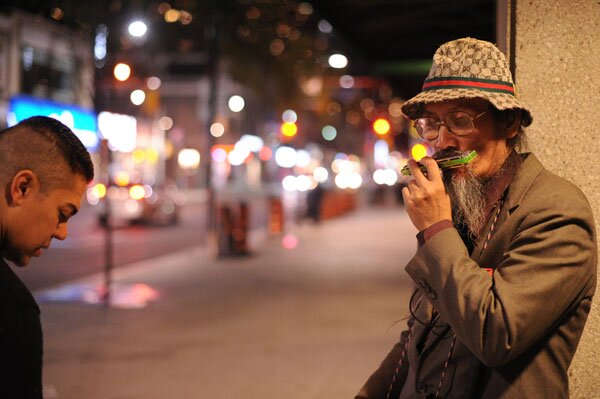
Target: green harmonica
(446, 163)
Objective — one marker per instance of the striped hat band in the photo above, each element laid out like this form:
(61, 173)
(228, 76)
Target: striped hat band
(496, 86)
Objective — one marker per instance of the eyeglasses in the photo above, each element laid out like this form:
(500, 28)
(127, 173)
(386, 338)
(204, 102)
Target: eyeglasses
(458, 122)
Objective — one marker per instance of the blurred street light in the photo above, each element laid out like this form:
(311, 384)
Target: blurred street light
(236, 103)
(346, 82)
(338, 61)
(188, 158)
(289, 129)
(153, 83)
(122, 72)
(137, 97)
(381, 126)
(165, 123)
(325, 26)
(217, 129)
(418, 151)
(137, 29)
(289, 116)
(329, 132)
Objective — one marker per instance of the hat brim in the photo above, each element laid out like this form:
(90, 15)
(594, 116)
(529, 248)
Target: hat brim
(501, 101)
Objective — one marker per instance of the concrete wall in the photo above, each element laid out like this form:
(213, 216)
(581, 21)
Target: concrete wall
(557, 70)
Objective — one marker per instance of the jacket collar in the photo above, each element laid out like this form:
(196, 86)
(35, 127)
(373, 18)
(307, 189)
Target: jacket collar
(530, 168)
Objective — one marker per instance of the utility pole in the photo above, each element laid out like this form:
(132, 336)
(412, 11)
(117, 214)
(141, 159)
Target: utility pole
(212, 33)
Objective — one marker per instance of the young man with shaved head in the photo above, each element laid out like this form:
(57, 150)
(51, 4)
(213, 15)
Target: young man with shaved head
(44, 171)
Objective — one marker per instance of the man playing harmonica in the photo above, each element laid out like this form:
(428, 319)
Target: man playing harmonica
(506, 265)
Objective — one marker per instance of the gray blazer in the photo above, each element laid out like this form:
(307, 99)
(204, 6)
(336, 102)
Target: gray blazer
(516, 330)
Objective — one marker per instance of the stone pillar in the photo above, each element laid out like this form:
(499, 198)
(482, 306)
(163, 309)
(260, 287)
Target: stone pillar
(555, 47)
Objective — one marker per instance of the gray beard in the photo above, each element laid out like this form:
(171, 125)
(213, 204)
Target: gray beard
(468, 196)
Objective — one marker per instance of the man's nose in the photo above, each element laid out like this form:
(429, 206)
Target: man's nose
(445, 138)
(61, 232)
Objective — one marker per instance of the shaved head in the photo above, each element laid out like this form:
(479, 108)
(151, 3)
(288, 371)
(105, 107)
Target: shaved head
(46, 147)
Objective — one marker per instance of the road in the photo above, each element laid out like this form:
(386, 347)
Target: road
(83, 252)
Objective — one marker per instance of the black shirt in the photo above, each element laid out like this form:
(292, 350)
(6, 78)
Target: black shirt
(21, 346)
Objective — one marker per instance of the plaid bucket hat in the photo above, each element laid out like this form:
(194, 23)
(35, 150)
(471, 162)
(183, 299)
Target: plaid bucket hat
(468, 68)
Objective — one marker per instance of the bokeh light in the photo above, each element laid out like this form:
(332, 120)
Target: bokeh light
(289, 129)
(137, 29)
(165, 123)
(418, 151)
(276, 47)
(285, 157)
(290, 183)
(290, 116)
(395, 109)
(99, 190)
(320, 174)
(137, 97)
(122, 71)
(302, 158)
(122, 178)
(329, 132)
(381, 126)
(137, 192)
(153, 83)
(265, 154)
(305, 8)
(304, 183)
(188, 158)
(185, 17)
(289, 241)
(217, 129)
(57, 13)
(236, 103)
(338, 61)
(219, 154)
(171, 15)
(346, 82)
(324, 26)
(138, 155)
(386, 177)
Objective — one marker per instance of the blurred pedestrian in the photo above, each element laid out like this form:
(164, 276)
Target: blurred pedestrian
(44, 170)
(506, 265)
(314, 202)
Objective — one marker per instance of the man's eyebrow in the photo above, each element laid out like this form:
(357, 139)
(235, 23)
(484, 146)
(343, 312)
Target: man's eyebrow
(74, 209)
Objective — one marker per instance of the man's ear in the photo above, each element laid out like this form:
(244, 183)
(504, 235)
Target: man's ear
(513, 126)
(22, 186)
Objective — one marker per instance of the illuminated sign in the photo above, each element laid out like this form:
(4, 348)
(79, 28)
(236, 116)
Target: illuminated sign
(81, 121)
(119, 130)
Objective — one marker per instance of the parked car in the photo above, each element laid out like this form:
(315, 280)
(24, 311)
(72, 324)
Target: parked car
(137, 204)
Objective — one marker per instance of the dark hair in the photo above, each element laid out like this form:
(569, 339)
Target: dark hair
(44, 145)
(505, 120)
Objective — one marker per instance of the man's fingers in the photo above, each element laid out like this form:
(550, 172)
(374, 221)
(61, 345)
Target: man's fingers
(433, 170)
(417, 174)
(406, 194)
(412, 191)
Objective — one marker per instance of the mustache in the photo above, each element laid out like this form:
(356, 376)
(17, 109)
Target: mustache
(446, 152)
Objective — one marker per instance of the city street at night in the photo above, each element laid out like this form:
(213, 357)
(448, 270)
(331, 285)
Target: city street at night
(312, 321)
(210, 199)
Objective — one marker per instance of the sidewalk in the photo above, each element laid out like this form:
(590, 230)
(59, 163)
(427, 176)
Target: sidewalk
(305, 323)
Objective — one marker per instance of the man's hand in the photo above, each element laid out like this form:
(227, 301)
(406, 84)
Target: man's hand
(425, 198)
